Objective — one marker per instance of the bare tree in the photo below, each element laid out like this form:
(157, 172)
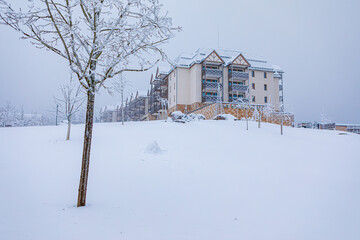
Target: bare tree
(9, 115)
(121, 85)
(285, 117)
(244, 104)
(164, 106)
(99, 39)
(70, 102)
(257, 115)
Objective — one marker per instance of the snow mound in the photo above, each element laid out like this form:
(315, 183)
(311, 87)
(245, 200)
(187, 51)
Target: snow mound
(153, 148)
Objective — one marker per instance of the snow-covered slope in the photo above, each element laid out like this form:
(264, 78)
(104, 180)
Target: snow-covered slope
(208, 180)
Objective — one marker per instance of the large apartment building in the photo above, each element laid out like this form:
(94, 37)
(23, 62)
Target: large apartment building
(204, 77)
(212, 75)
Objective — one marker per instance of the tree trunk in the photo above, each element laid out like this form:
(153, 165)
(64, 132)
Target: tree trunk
(87, 147)
(68, 131)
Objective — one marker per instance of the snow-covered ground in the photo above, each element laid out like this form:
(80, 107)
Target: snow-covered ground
(208, 180)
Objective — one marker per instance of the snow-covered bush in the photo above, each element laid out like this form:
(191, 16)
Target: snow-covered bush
(177, 115)
(227, 117)
(181, 117)
(195, 117)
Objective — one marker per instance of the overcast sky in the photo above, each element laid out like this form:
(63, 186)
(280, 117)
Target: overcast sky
(316, 42)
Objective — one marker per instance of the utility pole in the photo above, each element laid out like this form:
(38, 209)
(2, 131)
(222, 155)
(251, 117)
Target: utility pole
(57, 113)
(282, 123)
(122, 106)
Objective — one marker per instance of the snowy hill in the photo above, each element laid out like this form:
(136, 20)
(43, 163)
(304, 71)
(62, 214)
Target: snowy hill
(208, 180)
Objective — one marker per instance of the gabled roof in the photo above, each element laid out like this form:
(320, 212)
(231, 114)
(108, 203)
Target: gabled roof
(240, 60)
(187, 60)
(214, 57)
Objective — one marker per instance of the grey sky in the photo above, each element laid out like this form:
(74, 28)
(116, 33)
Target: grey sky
(317, 43)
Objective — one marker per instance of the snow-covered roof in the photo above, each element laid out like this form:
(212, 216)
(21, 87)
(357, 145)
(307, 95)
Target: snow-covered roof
(186, 59)
(348, 125)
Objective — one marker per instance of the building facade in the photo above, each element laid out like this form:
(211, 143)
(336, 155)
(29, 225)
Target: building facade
(211, 75)
(202, 78)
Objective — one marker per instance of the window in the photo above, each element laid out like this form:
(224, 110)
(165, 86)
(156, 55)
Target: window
(253, 86)
(253, 73)
(265, 74)
(265, 99)
(265, 87)
(253, 99)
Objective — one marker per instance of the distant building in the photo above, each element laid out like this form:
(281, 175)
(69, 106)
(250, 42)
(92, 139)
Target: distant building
(212, 75)
(353, 128)
(135, 109)
(324, 126)
(305, 125)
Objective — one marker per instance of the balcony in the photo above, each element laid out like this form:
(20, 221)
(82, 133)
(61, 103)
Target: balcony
(164, 94)
(213, 73)
(280, 87)
(210, 99)
(238, 88)
(234, 75)
(156, 86)
(239, 100)
(212, 86)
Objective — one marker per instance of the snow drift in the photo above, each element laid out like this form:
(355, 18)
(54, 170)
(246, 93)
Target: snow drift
(213, 180)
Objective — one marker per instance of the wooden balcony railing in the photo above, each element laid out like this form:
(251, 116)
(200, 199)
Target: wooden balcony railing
(238, 88)
(238, 75)
(210, 99)
(212, 86)
(214, 73)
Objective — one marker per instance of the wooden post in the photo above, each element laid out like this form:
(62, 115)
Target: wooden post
(122, 106)
(57, 113)
(247, 120)
(259, 125)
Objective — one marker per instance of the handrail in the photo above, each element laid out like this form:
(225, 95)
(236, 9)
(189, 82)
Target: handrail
(242, 88)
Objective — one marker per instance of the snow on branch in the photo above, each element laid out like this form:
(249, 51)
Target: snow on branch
(99, 38)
